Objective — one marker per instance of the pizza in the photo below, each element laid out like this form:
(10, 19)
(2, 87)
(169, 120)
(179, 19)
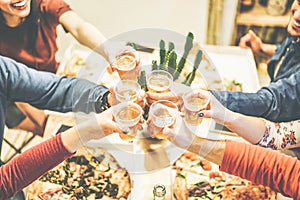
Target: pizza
(197, 178)
(83, 176)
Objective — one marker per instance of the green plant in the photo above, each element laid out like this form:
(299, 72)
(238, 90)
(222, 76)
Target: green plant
(168, 59)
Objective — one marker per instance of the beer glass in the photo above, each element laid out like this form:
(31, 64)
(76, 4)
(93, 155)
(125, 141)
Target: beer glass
(127, 115)
(159, 81)
(127, 90)
(193, 104)
(126, 65)
(162, 113)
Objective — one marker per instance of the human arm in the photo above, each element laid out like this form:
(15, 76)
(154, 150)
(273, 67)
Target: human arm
(84, 32)
(48, 91)
(31, 164)
(252, 41)
(276, 102)
(257, 164)
(253, 129)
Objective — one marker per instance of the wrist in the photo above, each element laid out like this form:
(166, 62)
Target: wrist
(231, 118)
(71, 140)
(268, 49)
(212, 150)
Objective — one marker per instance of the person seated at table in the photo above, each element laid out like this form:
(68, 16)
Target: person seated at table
(279, 100)
(260, 165)
(31, 164)
(29, 34)
(48, 91)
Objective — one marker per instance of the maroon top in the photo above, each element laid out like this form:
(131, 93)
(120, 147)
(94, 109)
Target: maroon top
(263, 166)
(14, 41)
(30, 165)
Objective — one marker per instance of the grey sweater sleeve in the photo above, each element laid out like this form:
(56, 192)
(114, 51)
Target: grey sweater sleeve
(48, 91)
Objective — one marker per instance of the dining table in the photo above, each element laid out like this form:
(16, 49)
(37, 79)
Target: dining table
(148, 168)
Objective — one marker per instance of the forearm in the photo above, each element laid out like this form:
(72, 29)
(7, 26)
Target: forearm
(277, 102)
(253, 104)
(48, 91)
(89, 36)
(250, 128)
(76, 95)
(268, 49)
(212, 150)
(77, 136)
(84, 32)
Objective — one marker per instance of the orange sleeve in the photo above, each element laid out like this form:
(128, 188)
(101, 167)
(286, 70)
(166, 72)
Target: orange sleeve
(54, 8)
(263, 166)
(30, 165)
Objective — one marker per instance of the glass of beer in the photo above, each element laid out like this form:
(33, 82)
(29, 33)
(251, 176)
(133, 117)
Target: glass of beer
(127, 115)
(127, 90)
(126, 65)
(193, 104)
(159, 81)
(162, 113)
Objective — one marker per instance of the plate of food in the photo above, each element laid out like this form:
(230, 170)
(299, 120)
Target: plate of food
(90, 174)
(197, 178)
(79, 61)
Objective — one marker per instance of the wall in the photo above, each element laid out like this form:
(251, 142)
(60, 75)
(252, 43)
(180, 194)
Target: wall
(113, 17)
(229, 14)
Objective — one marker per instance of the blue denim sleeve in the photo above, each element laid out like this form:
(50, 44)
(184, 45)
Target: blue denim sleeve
(278, 102)
(48, 91)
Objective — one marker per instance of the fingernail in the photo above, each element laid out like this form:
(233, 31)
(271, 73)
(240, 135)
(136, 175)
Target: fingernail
(125, 130)
(200, 114)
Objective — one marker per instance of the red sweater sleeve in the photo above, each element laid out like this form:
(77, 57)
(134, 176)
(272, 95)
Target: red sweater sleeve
(263, 166)
(30, 165)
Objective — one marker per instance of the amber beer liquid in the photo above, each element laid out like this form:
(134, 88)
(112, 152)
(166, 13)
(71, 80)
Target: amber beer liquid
(162, 114)
(128, 95)
(192, 106)
(159, 84)
(159, 81)
(126, 64)
(127, 115)
(127, 90)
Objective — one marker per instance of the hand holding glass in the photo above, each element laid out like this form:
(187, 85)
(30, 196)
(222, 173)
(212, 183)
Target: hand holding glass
(127, 115)
(162, 113)
(159, 81)
(126, 65)
(193, 104)
(127, 90)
